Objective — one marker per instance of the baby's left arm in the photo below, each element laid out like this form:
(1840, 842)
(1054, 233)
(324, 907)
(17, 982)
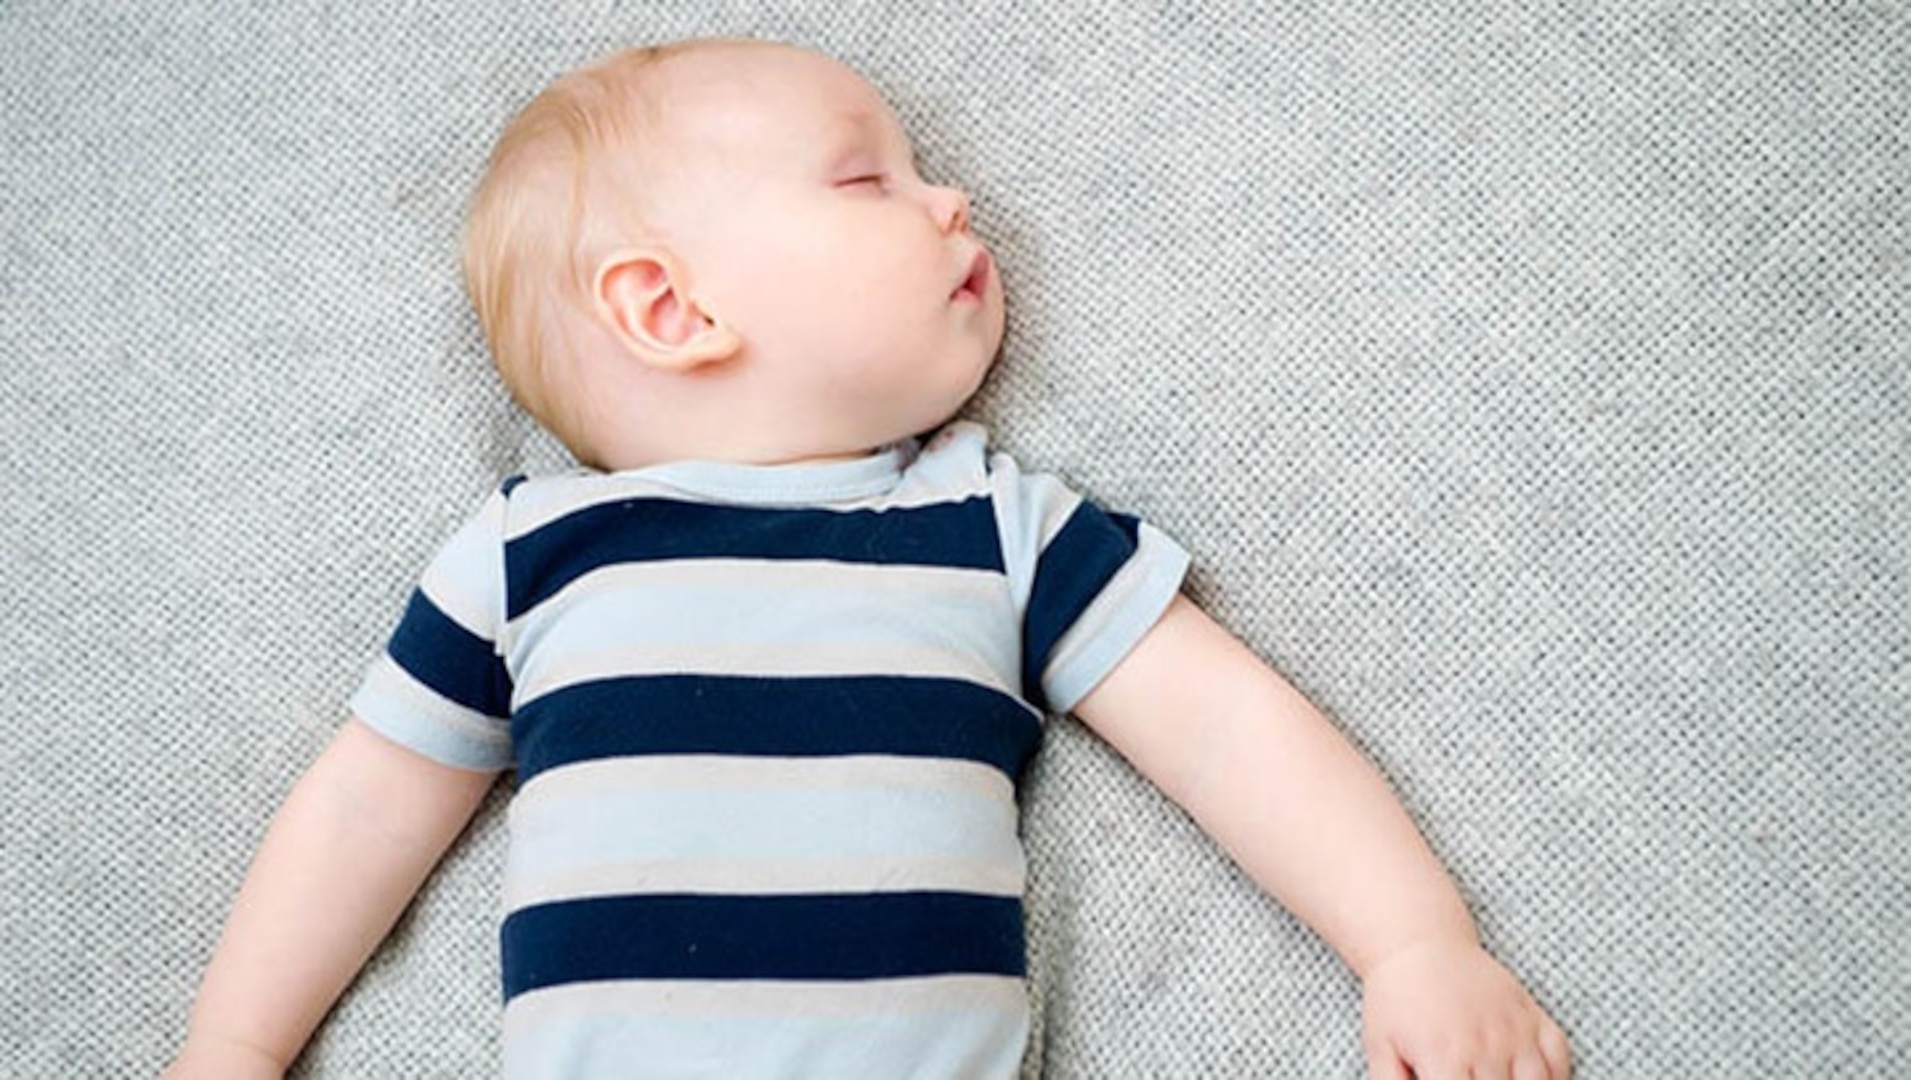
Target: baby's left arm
(1268, 777)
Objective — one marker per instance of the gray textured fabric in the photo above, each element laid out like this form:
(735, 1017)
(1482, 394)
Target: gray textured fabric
(1529, 381)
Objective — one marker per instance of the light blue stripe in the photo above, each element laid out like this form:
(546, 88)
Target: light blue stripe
(560, 836)
(779, 608)
(967, 1042)
(466, 578)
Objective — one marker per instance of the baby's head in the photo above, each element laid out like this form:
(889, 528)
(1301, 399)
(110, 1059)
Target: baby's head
(723, 250)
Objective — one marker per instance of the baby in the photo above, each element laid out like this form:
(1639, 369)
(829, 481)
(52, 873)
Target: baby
(768, 667)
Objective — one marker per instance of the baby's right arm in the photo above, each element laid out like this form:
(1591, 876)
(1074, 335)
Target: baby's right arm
(355, 839)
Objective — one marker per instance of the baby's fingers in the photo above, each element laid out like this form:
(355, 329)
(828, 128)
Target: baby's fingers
(1548, 1058)
(1532, 1066)
(1553, 1046)
(1383, 1063)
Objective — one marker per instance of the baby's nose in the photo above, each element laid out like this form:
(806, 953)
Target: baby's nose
(951, 209)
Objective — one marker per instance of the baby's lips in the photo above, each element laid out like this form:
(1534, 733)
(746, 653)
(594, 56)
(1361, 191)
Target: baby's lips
(977, 281)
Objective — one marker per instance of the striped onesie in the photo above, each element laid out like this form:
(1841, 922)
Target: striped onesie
(767, 723)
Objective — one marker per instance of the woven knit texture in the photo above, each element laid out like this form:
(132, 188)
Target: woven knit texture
(1531, 382)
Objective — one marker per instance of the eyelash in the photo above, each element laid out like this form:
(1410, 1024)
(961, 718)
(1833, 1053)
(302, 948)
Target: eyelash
(872, 178)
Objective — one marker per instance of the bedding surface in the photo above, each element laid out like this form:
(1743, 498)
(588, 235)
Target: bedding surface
(1530, 383)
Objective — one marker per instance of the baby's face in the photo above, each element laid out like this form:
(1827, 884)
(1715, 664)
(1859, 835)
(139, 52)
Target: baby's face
(868, 308)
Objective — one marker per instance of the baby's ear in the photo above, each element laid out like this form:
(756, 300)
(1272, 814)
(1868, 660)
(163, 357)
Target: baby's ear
(638, 295)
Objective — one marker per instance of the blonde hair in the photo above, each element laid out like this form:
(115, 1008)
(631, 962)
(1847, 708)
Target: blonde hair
(562, 165)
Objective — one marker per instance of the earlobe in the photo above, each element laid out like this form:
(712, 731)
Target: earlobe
(639, 297)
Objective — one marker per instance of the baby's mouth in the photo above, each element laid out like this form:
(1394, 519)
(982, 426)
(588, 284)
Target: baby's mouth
(977, 282)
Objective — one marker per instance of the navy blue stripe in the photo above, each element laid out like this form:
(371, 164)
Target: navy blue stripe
(453, 661)
(776, 717)
(1073, 569)
(960, 535)
(826, 937)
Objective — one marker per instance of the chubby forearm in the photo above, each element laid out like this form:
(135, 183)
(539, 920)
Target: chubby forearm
(1313, 822)
(354, 840)
(1270, 779)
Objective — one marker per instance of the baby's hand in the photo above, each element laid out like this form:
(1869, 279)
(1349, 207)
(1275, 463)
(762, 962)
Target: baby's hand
(1445, 1009)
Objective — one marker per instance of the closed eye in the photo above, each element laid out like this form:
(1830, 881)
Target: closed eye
(869, 180)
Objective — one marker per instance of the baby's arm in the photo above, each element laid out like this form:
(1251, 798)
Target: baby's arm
(1268, 777)
(355, 839)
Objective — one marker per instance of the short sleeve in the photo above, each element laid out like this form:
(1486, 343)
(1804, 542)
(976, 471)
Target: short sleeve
(441, 688)
(1088, 584)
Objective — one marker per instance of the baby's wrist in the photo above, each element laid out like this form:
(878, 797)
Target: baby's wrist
(1437, 947)
(222, 1056)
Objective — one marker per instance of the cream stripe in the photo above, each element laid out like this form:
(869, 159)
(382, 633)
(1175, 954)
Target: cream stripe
(696, 998)
(729, 877)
